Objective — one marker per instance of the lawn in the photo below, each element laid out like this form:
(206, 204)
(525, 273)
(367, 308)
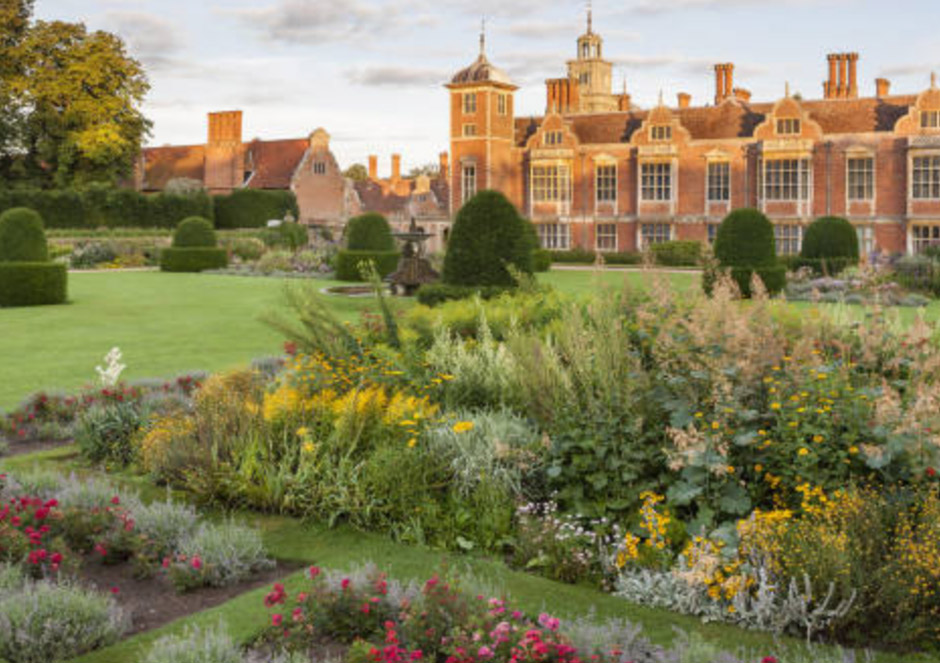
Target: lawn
(290, 539)
(167, 324)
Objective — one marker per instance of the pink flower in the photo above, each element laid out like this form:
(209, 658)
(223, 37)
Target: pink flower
(115, 500)
(166, 562)
(314, 572)
(115, 591)
(197, 563)
(277, 619)
(768, 659)
(549, 622)
(344, 583)
(485, 653)
(298, 614)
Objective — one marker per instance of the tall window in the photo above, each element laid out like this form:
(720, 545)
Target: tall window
(605, 178)
(469, 130)
(789, 239)
(926, 181)
(584, 78)
(861, 176)
(924, 236)
(606, 236)
(319, 168)
(469, 103)
(552, 138)
(788, 126)
(501, 104)
(551, 184)
(930, 119)
(654, 233)
(661, 133)
(553, 235)
(468, 182)
(866, 240)
(786, 179)
(719, 182)
(656, 181)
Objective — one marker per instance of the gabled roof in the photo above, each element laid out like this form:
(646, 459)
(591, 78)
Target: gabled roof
(162, 164)
(273, 162)
(735, 119)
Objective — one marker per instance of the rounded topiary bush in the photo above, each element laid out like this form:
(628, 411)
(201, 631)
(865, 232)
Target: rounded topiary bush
(32, 283)
(194, 232)
(22, 238)
(830, 244)
(194, 248)
(488, 236)
(369, 232)
(745, 246)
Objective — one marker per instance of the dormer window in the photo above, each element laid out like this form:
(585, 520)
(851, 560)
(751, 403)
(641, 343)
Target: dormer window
(661, 133)
(788, 126)
(552, 138)
(930, 119)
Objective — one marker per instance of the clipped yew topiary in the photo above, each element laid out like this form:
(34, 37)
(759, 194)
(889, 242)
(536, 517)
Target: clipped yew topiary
(830, 244)
(27, 277)
(369, 232)
(194, 248)
(745, 246)
(488, 236)
(22, 238)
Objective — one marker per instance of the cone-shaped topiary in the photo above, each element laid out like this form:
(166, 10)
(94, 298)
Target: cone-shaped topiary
(488, 235)
(369, 232)
(194, 232)
(830, 245)
(22, 238)
(744, 246)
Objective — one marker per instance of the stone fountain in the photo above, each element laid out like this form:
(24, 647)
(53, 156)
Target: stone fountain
(414, 269)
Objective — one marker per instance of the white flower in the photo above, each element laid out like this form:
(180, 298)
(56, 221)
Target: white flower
(109, 375)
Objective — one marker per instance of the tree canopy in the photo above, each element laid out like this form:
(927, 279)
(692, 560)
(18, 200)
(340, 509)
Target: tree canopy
(69, 102)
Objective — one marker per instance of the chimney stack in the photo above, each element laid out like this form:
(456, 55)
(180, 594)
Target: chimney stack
(724, 81)
(225, 128)
(852, 83)
(396, 167)
(445, 166)
(685, 99)
(843, 76)
(882, 87)
(373, 167)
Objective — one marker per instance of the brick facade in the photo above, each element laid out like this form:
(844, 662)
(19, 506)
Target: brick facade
(586, 176)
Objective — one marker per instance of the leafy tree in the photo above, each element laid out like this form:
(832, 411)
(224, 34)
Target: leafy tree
(70, 101)
(369, 232)
(357, 173)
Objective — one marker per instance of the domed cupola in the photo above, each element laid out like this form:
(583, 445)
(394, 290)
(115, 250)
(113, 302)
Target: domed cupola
(482, 70)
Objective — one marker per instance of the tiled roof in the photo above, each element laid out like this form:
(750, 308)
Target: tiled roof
(162, 164)
(373, 200)
(481, 71)
(274, 162)
(735, 119)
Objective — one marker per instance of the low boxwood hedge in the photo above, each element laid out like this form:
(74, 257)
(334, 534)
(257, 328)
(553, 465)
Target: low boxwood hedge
(677, 253)
(435, 294)
(192, 259)
(583, 256)
(32, 283)
(541, 260)
(347, 263)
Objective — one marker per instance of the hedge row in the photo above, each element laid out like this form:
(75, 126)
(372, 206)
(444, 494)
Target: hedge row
(192, 259)
(583, 256)
(677, 253)
(99, 207)
(252, 208)
(347, 263)
(32, 283)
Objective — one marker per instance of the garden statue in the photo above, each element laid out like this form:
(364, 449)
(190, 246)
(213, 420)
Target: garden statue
(414, 269)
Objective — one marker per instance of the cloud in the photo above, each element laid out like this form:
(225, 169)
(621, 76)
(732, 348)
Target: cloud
(150, 36)
(919, 69)
(397, 76)
(651, 7)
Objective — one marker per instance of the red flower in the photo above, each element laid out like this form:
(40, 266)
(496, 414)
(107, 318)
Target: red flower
(115, 591)
(197, 563)
(166, 562)
(768, 659)
(931, 472)
(115, 500)
(314, 571)
(344, 583)
(277, 619)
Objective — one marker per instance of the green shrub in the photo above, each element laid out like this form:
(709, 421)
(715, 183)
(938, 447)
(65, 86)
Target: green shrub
(576, 256)
(677, 253)
(43, 623)
(253, 208)
(347, 263)
(435, 294)
(369, 232)
(487, 237)
(105, 432)
(623, 258)
(288, 235)
(744, 245)
(22, 238)
(166, 210)
(59, 209)
(194, 232)
(32, 283)
(541, 260)
(192, 260)
(830, 245)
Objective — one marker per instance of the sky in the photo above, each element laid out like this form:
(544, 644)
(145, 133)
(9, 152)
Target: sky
(371, 72)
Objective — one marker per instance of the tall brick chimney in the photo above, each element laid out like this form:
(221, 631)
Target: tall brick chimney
(684, 99)
(851, 90)
(225, 156)
(843, 76)
(396, 167)
(373, 167)
(444, 167)
(882, 87)
(724, 81)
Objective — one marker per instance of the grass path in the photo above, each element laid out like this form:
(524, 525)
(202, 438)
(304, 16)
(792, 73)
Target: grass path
(294, 540)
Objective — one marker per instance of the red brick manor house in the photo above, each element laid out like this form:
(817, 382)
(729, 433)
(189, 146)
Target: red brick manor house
(598, 173)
